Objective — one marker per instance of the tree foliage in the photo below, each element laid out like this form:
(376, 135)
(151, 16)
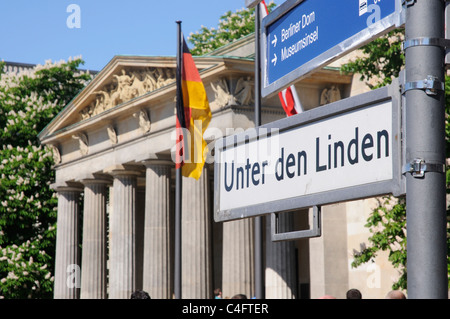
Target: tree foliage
(382, 60)
(387, 223)
(28, 102)
(232, 26)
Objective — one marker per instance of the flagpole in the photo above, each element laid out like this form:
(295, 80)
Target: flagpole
(178, 179)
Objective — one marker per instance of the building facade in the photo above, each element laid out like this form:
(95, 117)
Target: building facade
(113, 147)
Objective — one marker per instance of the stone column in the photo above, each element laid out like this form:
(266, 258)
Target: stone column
(158, 277)
(280, 274)
(195, 239)
(93, 268)
(122, 274)
(140, 224)
(329, 254)
(238, 271)
(67, 259)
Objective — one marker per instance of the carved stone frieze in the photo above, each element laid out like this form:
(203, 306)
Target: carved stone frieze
(112, 134)
(233, 91)
(84, 142)
(244, 91)
(329, 95)
(144, 120)
(127, 85)
(56, 153)
(222, 92)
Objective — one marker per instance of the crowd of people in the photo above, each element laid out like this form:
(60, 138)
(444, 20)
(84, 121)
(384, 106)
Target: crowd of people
(356, 294)
(350, 294)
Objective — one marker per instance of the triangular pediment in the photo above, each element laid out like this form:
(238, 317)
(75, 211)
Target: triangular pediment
(124, 79)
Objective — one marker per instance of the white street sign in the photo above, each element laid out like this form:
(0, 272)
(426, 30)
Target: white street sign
(348, 154)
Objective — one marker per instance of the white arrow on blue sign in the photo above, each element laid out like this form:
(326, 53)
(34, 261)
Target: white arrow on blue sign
(303, 35)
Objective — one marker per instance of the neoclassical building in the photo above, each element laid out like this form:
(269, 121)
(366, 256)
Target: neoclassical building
(115, 178)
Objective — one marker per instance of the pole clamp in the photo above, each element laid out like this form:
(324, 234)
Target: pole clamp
(423, 41)
(418, 167)
(408, 2)
(431, 85)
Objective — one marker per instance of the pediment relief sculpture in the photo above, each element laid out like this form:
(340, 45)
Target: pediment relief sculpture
(233, 92)
(127, 85)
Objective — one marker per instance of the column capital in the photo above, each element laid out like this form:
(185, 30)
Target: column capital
(155, 159)
(67, 187)
(161, 162)
(124, 169)
(97, 179)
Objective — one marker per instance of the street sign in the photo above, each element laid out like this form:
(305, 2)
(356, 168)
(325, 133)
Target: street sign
(303, 35)
(346, 150)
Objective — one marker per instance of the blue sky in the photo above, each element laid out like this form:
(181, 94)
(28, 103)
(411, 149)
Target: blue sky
(33, 31)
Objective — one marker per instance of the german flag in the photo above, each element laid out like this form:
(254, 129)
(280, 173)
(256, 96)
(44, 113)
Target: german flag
(193, 117)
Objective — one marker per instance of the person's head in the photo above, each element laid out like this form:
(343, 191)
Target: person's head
(217, 292)
(395, 294)
(327, 297)
(354, 294)
(239, 296)
(140, 294)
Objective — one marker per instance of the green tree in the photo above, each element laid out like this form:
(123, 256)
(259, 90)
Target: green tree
(232, 26)
(28, 102)
(381, 61)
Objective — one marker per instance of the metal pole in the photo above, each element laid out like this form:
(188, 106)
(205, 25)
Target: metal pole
(178, 182)
(177, 274)
(425, 140)
(257, 66)
(259, 261)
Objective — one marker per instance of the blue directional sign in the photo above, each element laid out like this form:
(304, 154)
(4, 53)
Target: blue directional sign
(302, 35)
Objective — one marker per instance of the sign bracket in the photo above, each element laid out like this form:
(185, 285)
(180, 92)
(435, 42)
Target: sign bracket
(423, 41)
(418, 167)
(431, 85)
(315, 231)
(408, 3)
